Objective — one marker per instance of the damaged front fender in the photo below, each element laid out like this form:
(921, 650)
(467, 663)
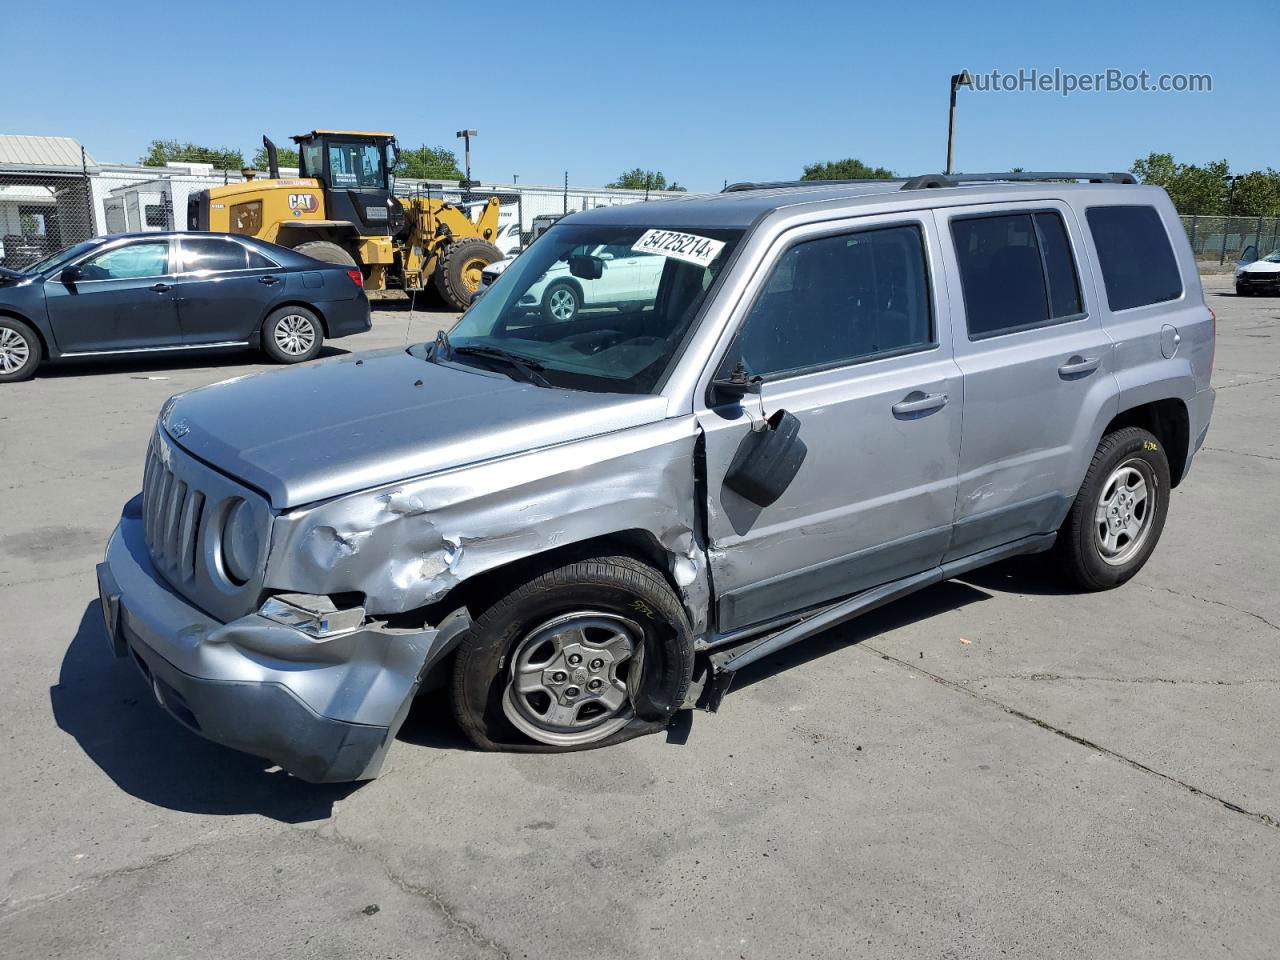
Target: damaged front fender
(406, 545)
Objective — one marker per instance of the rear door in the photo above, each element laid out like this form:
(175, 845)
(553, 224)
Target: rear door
(1036, 364)
(124, 300)
(851, 336)
(224, 289)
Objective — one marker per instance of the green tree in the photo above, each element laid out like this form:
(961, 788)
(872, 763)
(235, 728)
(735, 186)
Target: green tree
(1257, 194)
(1194, 189)
(286, 156)
(848, 169)
(429, 163)
(639, 179)
(161, 152)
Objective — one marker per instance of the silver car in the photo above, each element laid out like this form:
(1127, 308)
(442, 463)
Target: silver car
(831, 395)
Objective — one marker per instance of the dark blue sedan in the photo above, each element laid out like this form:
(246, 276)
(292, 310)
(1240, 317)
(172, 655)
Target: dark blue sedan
(143, 292)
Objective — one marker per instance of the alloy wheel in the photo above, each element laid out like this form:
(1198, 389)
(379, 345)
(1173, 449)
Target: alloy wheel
(295, 335)
(14, 350)
(571, 678)
(1122, 518)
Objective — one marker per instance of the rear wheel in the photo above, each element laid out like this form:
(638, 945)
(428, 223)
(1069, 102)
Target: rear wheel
(326, 251)
(20, 351)
(457, 274)
(1119, 513)
(292, 334)
(586, 654)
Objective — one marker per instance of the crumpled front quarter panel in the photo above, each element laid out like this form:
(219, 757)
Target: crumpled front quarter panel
(407, 544)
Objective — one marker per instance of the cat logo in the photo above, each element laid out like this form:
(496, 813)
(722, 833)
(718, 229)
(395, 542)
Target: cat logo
(303, 203)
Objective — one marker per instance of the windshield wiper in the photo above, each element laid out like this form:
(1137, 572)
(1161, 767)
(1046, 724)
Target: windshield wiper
(526, 368)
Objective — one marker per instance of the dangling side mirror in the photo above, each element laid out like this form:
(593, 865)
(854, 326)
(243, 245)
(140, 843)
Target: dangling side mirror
(733, 388)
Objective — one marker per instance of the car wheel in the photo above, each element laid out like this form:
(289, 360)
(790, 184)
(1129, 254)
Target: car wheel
(561, 302)
(1242, 291)
(20, 351)
(292, 335)
(1119, 513)
(579, 656)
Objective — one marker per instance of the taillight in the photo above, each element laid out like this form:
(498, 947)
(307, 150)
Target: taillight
(1213, 338)
(357, 278)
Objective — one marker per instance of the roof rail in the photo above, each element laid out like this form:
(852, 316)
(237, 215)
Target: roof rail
(955, 179)
(774, 184)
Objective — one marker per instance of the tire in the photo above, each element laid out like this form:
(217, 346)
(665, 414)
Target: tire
(1242, 292)
(326, 252)
(20, 351)
(292, 335)
(605, 604)
(561, 302)
(457, 275)
(1092, 559)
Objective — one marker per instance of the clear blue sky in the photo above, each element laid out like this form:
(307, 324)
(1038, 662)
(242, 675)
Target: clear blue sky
(702, 91)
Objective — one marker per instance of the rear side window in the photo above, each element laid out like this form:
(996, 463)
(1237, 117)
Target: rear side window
(840, 299)
(258, 262)
(201, 255)
(1138, 265)
(1017, 272)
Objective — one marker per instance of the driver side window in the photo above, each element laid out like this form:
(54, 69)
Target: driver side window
(840, 299)
(131, 262)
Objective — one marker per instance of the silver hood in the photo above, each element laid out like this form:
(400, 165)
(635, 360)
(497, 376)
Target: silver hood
(349, 423)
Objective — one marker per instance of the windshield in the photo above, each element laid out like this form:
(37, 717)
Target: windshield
(62, 257)
(355, 165)
(1272, 257)
(603, 308)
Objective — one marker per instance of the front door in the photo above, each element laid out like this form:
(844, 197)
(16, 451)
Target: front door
(224, 290)
(1036, 364)
(123, 300)
(850, 335)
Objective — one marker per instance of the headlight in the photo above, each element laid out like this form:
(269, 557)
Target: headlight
(240, 543)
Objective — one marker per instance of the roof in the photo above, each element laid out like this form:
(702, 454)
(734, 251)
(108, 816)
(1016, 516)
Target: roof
(42, 154)
(345, 133)
(740, 209)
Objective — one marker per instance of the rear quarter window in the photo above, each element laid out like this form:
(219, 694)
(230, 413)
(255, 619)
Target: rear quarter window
(1135, 256)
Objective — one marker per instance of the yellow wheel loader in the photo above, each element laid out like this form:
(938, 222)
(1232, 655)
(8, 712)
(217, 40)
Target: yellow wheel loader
(341, 209)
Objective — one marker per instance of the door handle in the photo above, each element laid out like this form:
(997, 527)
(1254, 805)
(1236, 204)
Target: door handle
(1079, 366)
(162, 287)
(918, 402)
(268, 280)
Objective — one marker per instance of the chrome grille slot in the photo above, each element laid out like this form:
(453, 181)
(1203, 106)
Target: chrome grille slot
(171, 517)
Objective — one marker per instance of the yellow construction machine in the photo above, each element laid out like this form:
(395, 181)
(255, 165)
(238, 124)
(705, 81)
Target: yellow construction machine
(341, 209)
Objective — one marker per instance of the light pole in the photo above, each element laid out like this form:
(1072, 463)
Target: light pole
(465, 136)
(958, 80)
(1231, 192)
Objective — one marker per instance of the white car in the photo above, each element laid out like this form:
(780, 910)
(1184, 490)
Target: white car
(626, 279)
(1257, 276)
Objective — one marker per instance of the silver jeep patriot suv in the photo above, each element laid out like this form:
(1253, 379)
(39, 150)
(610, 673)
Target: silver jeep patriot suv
(770, 410)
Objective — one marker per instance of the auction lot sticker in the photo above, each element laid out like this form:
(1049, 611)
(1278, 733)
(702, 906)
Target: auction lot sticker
(679, 246)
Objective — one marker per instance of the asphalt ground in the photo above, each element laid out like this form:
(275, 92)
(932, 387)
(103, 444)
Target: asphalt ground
(991, 767)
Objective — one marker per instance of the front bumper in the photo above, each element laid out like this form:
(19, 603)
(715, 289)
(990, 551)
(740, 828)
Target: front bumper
(326, 710)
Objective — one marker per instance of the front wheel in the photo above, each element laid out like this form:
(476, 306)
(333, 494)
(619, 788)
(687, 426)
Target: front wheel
(20, 351)
(1119, 513)
(561, 302)
(292, 335)
(583, 655)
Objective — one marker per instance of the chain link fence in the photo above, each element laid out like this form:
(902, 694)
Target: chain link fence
(1218, 241)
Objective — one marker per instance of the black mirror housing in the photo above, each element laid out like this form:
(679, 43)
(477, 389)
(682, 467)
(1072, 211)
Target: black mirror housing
(767, 460)
(586, 267)
(71, 274)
